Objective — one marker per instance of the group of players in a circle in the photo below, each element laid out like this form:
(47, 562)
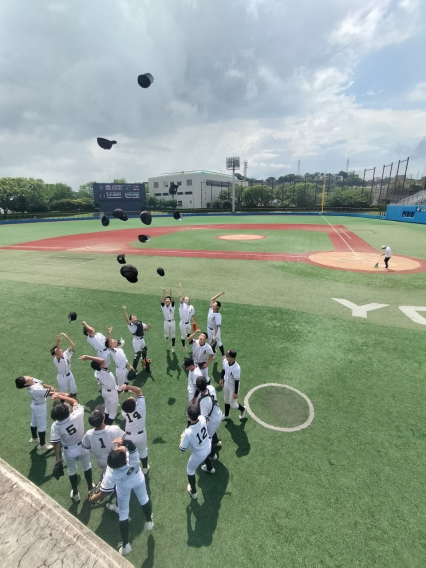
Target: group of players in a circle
(123, 455)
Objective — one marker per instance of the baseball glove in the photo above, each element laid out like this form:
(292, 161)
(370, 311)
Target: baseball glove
(194, 326)
(213, 343)
(58, 470)
(95, 489)
(131, 375)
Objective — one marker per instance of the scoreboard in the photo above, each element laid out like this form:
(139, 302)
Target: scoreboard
(130, 197)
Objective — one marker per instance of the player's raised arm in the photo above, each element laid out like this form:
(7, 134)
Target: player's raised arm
(171, 295)
(88, 327)
(65, 398)
(131, 388)
(126, 317)
(69, 340)
(162, 296)
(217, 296)
(51, 389)
(180, 292)
(98, 360)
(191, 337)
(109, 330)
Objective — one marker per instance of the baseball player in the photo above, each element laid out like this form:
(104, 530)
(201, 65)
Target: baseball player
(134, 411)
(68, 430)
(137, 329)
(197, 439)
(186, 315)
(123, 473)
(122, 365)
(62, 362)
(97, 341)
(109, 387)
(193, 373)
(387, 254)
(214, 322)
(38, 392)
(230, 381)
(168, 309)
(210, 409)
(202, 353)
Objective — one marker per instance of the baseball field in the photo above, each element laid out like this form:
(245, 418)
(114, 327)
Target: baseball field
(328, 468)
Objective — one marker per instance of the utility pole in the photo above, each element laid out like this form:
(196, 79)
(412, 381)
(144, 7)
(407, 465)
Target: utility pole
(233, 164)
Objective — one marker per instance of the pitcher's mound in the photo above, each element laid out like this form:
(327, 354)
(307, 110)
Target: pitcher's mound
(241, 237)
(364, 261)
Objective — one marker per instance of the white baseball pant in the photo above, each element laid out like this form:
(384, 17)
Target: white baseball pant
(196, 459)
(105, 355)
(121, 375)
(210, 333)
(123, 490)
(185, 329)
(228, 396)
(140, 442)
(66, 383)
(38, 416)
(170, 329)
(138, 343)
(73, 454)
(111, 402)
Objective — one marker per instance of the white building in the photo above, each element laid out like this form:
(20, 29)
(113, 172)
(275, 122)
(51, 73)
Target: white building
(197, 189)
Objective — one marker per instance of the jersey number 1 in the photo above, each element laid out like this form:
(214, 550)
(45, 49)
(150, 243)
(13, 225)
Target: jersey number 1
(204, 433)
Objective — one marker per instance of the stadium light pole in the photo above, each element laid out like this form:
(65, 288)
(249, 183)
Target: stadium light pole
(233, 163)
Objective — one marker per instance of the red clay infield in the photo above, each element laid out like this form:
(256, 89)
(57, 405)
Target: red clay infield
(115, 242)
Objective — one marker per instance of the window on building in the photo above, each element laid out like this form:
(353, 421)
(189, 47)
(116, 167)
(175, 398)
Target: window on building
(189, 182)
(164, 194)
(188, 192)
(157, 194)
(408, 213)
(155, 184)
(166, 184)
(179, 203)
(180, 192)
(208, 205)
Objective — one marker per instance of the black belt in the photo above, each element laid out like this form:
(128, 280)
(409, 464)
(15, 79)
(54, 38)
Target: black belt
(67, 375)
(186, 322)
(212, 328)
(108, 390)
(169, 320)
(130, 433)
(38, 403)
(106, 349)
(66, 447)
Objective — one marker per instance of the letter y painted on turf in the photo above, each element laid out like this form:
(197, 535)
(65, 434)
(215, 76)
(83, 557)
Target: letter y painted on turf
(359, 311)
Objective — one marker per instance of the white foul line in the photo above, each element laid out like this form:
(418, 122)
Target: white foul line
(339, 235)
(346, 234)
(93, 260)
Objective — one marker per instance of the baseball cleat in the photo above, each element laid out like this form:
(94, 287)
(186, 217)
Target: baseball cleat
(45, 447)
(146, 469)
(204, 468)
(224, 417)
(218, 444)
(149, 525)
(185, 348)
(214, 457)
(173, 349)
(75, 497)
(125, 550)
(112, 507)
(242, 415)
(33, 441)
(193, 495)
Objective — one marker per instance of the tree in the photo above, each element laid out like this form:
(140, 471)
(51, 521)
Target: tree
(86, 190)
(119, 180)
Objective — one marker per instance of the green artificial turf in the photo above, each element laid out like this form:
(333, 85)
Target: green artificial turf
(345, 492)
(291, 241)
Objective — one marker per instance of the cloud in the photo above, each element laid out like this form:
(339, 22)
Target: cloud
(418, 93)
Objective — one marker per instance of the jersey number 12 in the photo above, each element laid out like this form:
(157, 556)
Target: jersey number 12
(204, 434)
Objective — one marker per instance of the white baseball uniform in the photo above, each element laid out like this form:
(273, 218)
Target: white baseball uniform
(169, 319)
(135, 426)
(232, 375)
(99, 442)
(120, 361)
(65, 378)
(124, 479)
(138, 341)
(210, 410)
(214, 320)
(186, 312)
(192, 380)
(201, 354)
(38, 396)
(197, 439)
(109, 391)
(98, 343)
(70, 433)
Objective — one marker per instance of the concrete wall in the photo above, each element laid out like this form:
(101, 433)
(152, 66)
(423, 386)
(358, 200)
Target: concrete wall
(406, 213)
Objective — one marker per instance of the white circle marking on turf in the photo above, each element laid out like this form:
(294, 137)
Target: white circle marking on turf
(296, 428)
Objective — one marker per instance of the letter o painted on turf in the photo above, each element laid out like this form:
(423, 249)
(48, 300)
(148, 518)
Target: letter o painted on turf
(296, 428)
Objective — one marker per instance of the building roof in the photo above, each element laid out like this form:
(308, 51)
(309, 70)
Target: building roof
(203, 172)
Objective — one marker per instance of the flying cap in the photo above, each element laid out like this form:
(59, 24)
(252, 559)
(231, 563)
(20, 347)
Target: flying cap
(105, 143)
(145, 80)
(160, 271)
(176, 215)
(119, 213)
(144, 238)
(384, 246)
(72, 316)
(96, 417)
(104, 219)
(173, 188)
(130, 272)
(121, 259)
(187, 362)
(146, 217)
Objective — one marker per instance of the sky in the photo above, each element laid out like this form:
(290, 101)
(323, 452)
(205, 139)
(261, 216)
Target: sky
(271, 81)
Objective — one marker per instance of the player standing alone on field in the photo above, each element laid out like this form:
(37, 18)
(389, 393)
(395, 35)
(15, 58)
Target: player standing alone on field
(387, 254)
(214, 323)
(168, 309)
(137, 329)
(186, 315)
(230, 380)
(62, 362)
(38, 392)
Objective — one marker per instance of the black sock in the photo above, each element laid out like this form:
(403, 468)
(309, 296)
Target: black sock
(215, 439)
(124, 531)
(208, 463)
(173, 341)
(241, 408)
(221, 349)
(73, 481)
(108, 421)
(147, 509)
(144, 462)
(183, 342)
(212, 453)
(42, 436)
(191, 479)
(227, 409)
(33, 432)
(88, 476)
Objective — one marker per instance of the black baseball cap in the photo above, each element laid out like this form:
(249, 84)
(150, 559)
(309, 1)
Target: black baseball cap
(120, 214)
(146, 217)
(106, 144)
(176, 215)
(145, 80)
(130, 272)
(104, 219)
(187, 362)
(160, 271)
(72, 316)
(144, 238)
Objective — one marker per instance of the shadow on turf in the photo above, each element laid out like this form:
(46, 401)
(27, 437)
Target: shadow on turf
(213, 488)
(39, 463)
(173, 365)
(239, 436)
